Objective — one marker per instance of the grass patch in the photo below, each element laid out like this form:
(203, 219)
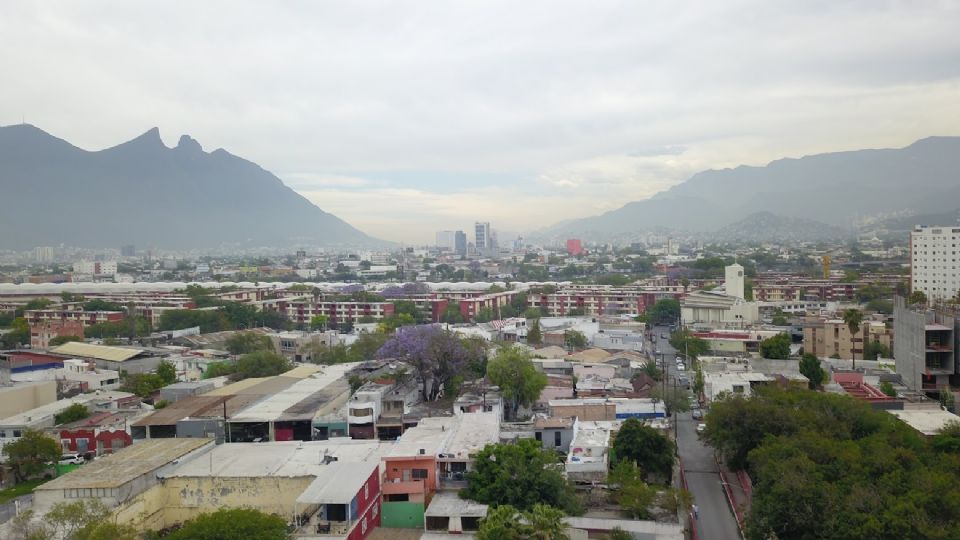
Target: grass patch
(23, 488)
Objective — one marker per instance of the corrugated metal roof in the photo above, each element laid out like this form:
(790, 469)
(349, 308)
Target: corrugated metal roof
(100, 352)
(115, 470)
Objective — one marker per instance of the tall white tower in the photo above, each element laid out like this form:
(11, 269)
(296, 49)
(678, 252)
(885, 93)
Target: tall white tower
(734, 281)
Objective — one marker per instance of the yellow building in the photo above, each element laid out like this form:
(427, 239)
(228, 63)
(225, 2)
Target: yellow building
(831, 338)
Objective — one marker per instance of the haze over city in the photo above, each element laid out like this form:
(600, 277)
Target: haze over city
(403, 119)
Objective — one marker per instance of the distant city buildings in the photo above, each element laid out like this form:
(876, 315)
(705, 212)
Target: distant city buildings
(933, 260)
(574, 246)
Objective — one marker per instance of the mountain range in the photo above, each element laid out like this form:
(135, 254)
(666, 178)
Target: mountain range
(142, 192)
(836, 189)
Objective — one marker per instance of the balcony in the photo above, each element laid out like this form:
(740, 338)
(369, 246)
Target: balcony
(939, 347)
(400, 487)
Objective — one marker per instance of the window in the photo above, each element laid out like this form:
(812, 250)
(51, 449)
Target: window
(366, 491)
(363, 525)
(419, 474)
(538, 435)
(556, 438)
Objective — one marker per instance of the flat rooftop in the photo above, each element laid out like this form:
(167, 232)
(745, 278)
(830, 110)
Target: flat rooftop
(449, 503)
(471, 433)
(115, 470)
(50, 409)
(337, 483)
(428, 436)
(280, 459)
(926, 420)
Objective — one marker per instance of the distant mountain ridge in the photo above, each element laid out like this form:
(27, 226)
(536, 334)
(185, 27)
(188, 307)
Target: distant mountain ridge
(834, 188)
(142, 192)
(767, 227)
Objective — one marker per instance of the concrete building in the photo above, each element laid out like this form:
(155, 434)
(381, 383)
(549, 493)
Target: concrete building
(734, 281)
(600, 299)
(831, 338)
(36, 317)
(42, 332)
(554, 433)
(95, 268)
(448, 513)
(925, 348)
(74, 376)
(469, 434)
(718, 309)
(101, 434)
(410, 472)
(128, 359)
(20, 397)
(482, 237)
(589, 456)
(460, 243)
(933, 261)
(299, 346)
(118, 478)
(447, 240)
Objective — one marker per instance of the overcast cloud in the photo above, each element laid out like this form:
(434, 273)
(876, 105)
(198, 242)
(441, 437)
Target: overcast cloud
(408, 117)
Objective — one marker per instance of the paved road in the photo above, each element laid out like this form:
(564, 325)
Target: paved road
(8, 509)
(716, 521)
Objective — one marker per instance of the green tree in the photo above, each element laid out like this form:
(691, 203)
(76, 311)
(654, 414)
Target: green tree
(518, 379)
(810, 368)
(248, 342)
(505, 522)
(484, 314)
(521, 475)
(319, 322)
(60, 340)
(853, 319)
(232, 524)
(101, 305)
(776, 347)
(38, 303)
(574, 339)
(688, 344)
(645, 447)
(69, 298)
(142, 384)
(675, 399)
(633, 494)
(388, 325)
(698, 382)
(888, 389)
(74, 412)
(533, 313)
(19, 334)
(410, 308)
(874, 350)
(779, 318)
(917, 297)
(218, 369)
(651, 369)
(665, 311)
(259, 364)
(366, 346)
(534, 335)
(31, 454)
(167, 372)
(452, 314)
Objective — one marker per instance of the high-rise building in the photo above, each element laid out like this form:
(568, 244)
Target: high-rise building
(482, 236)
(43, 254)
(460, 243)
(933, 261)
(128, 250)
(447, 240)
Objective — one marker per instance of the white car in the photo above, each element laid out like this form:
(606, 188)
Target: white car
(701, 427)
(681, 367)
(70, 459)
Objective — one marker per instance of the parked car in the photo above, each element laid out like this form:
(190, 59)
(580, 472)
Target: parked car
(71, 459)
(681, 367)
(698, 414)
(701, 427)
(663, 336)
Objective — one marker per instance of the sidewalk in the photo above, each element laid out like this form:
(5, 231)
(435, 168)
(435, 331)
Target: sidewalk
(738, 489)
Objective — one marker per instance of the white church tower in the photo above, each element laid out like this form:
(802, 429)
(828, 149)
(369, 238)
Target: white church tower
(734, 281)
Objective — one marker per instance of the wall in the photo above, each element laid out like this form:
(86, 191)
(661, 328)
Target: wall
(185, 498)
(402, 515)
(22, 398)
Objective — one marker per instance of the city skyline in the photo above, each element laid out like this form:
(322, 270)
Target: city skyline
(524, 120)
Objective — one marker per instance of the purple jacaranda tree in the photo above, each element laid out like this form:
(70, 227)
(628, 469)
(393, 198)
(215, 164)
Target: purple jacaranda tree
(437, 354)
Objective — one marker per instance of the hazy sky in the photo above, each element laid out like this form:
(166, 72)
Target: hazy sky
(408, 117)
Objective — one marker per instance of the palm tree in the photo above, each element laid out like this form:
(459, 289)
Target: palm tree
(546, 523)
(854, 318)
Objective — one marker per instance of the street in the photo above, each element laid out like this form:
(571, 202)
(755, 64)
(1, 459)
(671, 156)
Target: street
(716, 520)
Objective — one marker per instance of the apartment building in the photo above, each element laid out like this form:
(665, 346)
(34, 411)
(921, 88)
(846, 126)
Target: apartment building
(933, 261)
(86, 318)
(926, 345)
(42, 332)
(831, 338)
(600, 299)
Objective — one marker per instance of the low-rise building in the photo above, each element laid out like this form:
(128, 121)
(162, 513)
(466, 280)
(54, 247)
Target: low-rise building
(129, 359)
(589, 455)
(42, 332)
(831, 338)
